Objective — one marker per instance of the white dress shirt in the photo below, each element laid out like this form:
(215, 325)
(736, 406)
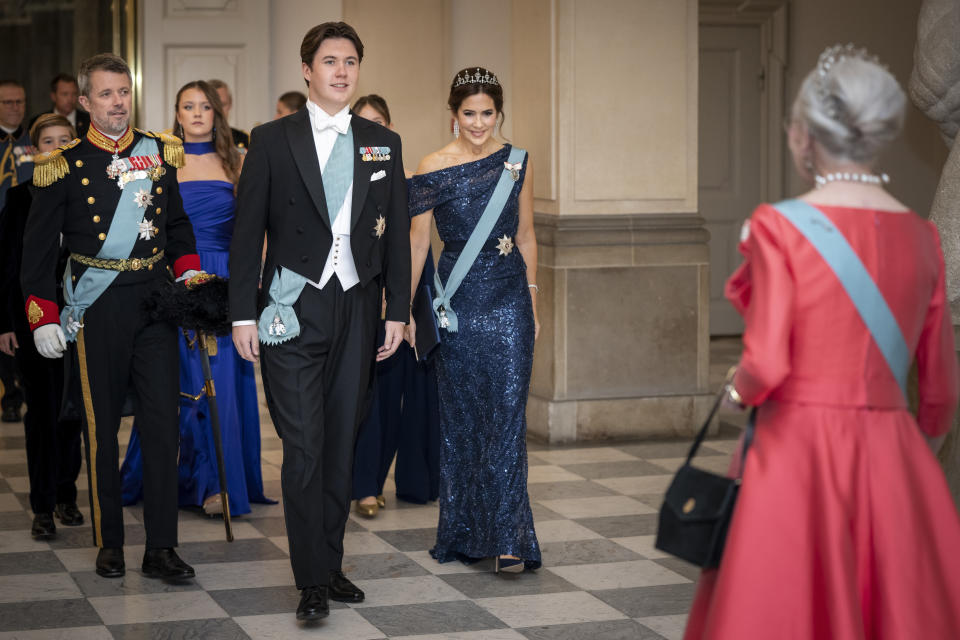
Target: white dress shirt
(325, 129)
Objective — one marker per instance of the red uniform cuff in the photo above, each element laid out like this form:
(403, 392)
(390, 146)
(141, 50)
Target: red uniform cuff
(41, 312)
(185, 263)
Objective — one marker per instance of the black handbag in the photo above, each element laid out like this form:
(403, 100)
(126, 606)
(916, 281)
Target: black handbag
(428, 330)
(698, 506)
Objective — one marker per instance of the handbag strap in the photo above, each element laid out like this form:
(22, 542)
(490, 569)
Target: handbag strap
(833, 247)
(747, 436)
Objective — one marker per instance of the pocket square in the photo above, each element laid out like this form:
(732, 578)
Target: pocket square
(378, 175)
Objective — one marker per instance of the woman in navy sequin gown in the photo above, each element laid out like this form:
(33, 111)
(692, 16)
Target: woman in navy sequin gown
(483, 368)
(207, 186)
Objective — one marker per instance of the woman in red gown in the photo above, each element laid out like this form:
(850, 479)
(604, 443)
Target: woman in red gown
(844, 527)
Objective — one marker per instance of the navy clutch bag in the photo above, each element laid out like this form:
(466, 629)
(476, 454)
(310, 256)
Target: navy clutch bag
(428, 332)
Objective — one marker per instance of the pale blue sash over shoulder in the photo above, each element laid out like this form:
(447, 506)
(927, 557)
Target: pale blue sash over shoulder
(278, 322)
(446, 317)
(833, 247)
(122, 235)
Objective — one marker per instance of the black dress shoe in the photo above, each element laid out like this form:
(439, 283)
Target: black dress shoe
(43, 527)
(110, 562)
(11, 414)
(313, 604)
(342, 590)
(68, 514)
(166, 564)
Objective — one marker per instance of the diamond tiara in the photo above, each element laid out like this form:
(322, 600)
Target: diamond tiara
(830, 57)
(476, 78)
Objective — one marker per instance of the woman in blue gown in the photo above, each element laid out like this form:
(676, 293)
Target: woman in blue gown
(403, 418)
(484, 367)
(207, 182)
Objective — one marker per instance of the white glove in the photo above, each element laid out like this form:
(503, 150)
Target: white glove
(50, 341)
(189, 273)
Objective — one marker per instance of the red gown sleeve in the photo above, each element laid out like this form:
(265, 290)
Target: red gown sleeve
(762, 290)
(937, 360)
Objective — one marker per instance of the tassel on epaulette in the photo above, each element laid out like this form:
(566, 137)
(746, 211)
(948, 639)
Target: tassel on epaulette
(49, 167)
(172, 150)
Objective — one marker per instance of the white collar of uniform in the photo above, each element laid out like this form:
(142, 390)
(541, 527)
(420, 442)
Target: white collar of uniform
(321, 120)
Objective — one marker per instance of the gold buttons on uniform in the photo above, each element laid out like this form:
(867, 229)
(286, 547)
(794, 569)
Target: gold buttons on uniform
(158, 210)
(149, 267)
(154, 249)
(159, 189)
(79, 163)
(91, 200)
(85, 181)
(96, 218)
(102, 236)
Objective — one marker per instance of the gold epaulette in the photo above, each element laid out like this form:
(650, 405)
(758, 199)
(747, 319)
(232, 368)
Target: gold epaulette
(51, 166)
(172, 147)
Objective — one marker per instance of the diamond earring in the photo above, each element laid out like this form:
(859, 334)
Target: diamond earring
(456, 129)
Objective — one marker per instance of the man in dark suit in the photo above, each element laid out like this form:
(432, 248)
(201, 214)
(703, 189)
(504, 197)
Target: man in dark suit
(328, 189)
(64, 93)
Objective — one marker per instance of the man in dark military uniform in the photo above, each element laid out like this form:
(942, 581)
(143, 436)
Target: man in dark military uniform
(114, 196)
(16, 167)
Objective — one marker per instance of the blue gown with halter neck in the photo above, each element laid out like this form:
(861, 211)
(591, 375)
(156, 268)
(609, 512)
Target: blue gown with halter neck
(210, 205)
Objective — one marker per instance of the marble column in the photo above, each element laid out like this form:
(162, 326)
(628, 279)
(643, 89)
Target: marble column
(605, 100)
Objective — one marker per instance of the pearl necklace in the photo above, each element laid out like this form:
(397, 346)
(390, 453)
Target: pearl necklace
(844, 176)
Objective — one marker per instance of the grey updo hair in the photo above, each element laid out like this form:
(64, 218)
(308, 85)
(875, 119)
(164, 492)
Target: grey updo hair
(854, 110)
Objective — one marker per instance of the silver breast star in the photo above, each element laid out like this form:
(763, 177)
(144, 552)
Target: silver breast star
(380, 227)
(505, 245)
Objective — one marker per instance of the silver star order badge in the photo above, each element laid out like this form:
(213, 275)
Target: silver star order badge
(505, 245)
(380, 227)
(143, 198)
(146, 229)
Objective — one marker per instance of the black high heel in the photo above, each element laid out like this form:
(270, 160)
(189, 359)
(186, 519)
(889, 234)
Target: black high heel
(503, 564)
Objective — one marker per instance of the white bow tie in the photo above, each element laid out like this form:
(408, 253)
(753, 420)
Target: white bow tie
(339, 123)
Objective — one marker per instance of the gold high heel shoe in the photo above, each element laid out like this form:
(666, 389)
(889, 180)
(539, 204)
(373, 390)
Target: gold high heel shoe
(367, 510)
(213, 505)
(381, 501)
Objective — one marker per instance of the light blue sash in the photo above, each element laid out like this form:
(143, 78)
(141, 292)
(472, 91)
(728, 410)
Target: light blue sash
(338, 174)
(122, 235)
(441, 303)
(833, 247)
(278, 321)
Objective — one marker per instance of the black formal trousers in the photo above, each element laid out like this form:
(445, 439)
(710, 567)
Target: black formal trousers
(53, 445)
(120, 348)
(319, 383)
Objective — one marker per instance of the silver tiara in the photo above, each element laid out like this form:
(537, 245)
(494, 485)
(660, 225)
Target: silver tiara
(476, 78)
(830, 57)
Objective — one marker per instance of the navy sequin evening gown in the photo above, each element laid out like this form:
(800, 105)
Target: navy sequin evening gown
(483, 372)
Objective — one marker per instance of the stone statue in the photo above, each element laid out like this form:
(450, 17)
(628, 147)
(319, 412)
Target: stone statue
(935, 89)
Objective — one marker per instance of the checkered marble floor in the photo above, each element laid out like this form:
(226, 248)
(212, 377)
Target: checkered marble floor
(595, 512)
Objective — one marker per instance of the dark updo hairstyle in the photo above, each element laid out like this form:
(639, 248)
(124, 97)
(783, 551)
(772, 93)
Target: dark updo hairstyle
(466, 89)
(376, 103)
